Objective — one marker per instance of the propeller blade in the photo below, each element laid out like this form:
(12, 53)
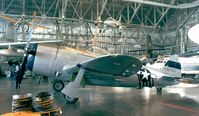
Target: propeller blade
(24, 61)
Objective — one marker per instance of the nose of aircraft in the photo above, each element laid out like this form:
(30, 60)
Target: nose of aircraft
(31, 57)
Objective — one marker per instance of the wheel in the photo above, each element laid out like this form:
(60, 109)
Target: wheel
(70, 100)
(159, 90)
(45, 77)
(58, 85)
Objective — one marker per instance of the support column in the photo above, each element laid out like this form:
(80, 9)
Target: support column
(182, 42)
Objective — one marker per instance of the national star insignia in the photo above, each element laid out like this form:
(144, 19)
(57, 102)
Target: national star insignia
(145, 74)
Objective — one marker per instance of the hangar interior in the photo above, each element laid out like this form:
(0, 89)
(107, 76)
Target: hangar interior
(127, 27)
(75, 21)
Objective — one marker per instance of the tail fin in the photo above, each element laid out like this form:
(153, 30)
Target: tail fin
(172, 67)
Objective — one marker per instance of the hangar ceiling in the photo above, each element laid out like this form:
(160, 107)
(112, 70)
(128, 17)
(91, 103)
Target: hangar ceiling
(152, 13)
(161, 18)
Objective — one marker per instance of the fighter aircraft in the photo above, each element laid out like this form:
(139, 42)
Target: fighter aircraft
(87, 68)
(67, 62)
(80, 68)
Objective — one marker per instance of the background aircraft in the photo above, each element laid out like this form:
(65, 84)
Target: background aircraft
(25, 20)
(111, 22)
(189, 63)
(166, 73)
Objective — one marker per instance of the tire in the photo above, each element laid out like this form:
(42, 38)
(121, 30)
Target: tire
(58, 85)
(159, 90)
(70, 100)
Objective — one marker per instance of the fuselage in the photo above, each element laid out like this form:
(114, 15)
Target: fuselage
(50, 59)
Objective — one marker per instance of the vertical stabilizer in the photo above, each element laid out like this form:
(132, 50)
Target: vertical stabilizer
(172, 67)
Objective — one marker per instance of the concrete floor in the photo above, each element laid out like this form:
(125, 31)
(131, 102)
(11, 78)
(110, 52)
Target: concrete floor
(111, 101)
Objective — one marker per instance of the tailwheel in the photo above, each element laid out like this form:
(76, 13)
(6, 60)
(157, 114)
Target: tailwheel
(70, 100)
(159, 90)
(58, 85)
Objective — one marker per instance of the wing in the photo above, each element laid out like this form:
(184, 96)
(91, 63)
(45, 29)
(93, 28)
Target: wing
(10, 52)
(114, 64)
(32, 42)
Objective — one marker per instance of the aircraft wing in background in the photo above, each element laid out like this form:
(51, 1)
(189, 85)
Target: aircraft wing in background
(19, 21)
(31, 42)
(16, 49)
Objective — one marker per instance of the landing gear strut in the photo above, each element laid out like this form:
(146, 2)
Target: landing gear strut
(71, 90)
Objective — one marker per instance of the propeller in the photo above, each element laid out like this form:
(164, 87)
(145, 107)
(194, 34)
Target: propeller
(22, 68)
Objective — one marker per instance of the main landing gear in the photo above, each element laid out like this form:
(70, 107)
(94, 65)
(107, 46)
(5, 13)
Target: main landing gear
(58, 85)
(145, 80)
(71, 90)
(70, 100)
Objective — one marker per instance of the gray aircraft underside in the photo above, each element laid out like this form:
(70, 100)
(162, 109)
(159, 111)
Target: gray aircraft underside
(132, 81)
